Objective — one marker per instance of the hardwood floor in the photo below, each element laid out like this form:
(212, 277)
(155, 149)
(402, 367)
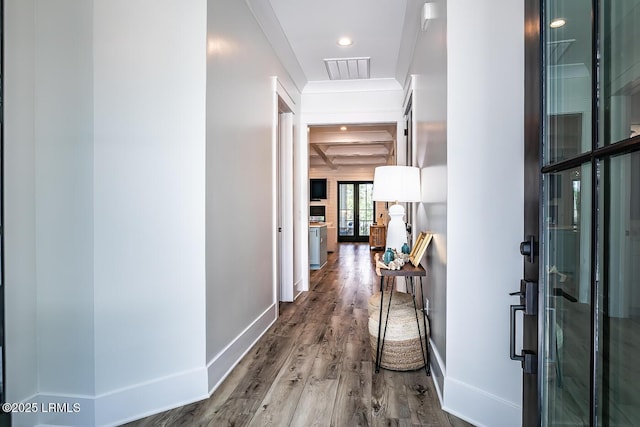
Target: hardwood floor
(314, 366)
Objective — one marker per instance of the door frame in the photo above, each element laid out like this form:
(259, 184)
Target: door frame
(533, 114)
(283, 195)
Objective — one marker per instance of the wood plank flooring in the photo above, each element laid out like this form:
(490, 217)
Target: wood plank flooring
(314, 366)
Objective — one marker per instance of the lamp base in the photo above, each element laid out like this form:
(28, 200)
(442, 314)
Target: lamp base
(396, 229)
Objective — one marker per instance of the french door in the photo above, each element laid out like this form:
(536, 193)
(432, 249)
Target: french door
(356, 210)
(588, 245)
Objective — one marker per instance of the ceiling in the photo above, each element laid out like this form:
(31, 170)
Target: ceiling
(314, 27)
(305, 33)
(360, 146)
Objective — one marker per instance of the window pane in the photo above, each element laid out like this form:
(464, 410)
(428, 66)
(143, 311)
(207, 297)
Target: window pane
(568, 80)
(345, 210)
(619, 275)
(620, 70)
(567, 324)
(365, 208)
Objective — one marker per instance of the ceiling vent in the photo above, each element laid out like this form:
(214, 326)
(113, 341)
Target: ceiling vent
(347, 68)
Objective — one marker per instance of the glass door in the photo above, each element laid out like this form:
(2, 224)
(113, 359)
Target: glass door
(590, 224)
(356, 210)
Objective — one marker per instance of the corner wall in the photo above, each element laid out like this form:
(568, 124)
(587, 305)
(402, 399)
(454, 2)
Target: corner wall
(149, 201)
(468, 103)
(19, 201)
(485, 152)
(104, 207)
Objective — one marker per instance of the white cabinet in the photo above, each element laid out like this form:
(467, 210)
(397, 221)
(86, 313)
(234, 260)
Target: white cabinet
(317, 246)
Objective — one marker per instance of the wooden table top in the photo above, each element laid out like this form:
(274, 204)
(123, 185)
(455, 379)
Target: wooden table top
(407, 270)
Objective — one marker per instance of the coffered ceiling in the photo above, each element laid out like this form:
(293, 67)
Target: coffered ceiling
(332, 148)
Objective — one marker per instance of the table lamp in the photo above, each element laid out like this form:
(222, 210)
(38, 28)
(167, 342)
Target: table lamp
(396, 184)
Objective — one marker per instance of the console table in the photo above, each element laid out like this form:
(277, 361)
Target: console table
(413, 274)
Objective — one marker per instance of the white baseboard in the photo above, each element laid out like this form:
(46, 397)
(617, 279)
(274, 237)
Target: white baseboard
(55, 410)
(144, 399)
(438, 371)
(479, 407)
(222, 364)
(117, 407)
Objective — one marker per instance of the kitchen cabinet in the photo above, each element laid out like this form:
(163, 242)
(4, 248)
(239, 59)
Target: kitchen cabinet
(317, 246)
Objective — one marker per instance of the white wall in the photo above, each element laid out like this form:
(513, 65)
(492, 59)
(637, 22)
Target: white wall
(104, 191)
(485, 206)
(150, 85)
(48, 110)
(64, 199)
(468, 106)
(428, 85)
(19, 201)
(240, 159)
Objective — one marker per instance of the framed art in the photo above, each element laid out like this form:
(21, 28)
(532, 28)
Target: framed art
(422, 242)
(416, 244)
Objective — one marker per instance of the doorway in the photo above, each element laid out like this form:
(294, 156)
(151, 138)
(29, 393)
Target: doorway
(356, 210)
(283, 135)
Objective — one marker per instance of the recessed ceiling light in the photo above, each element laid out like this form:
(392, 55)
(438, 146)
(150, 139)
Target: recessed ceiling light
(345, 41)
(343, 128)
(557, 23)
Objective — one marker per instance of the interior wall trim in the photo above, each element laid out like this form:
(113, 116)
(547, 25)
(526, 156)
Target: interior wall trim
(221, 365)
(438, 370)
(479, 407)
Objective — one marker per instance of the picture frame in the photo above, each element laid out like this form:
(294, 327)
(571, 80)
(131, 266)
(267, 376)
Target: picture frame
(414, 248)
(419, 249)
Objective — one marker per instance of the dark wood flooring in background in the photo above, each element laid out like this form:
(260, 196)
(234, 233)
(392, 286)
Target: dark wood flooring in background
(313, 367)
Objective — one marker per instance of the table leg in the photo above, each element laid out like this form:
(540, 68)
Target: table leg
(381, 334)
(378, 355)
(427, 360)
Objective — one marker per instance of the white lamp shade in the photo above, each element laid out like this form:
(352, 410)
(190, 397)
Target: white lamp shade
(396, 184)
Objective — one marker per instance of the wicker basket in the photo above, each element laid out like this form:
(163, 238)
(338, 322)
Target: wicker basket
(402, 350)
(398, 299)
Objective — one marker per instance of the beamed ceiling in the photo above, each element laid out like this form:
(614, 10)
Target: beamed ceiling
(331, 148)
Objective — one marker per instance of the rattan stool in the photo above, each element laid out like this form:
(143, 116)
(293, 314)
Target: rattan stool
(401, 347)
(398, 298)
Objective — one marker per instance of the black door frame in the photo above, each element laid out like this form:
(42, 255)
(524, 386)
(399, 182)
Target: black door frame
(533, 113)
(534, 170)
(356, 220)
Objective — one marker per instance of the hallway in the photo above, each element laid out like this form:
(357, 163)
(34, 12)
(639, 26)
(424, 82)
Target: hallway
(314, 366)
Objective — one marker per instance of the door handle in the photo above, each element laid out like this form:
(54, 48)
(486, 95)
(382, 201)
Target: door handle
(512, 332)
(529, 306)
